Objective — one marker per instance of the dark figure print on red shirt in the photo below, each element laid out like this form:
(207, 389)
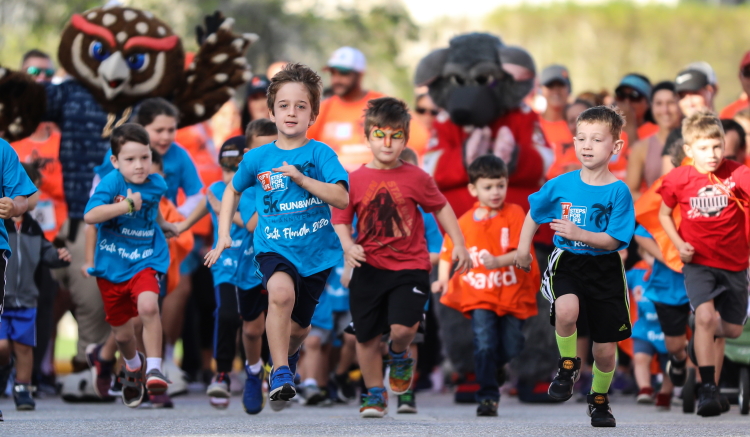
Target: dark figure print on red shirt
(382, 216)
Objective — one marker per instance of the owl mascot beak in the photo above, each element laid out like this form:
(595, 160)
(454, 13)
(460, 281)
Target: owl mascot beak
(113, 74)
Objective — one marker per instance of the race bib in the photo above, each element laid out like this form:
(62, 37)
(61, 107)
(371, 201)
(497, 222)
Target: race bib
(44, 213)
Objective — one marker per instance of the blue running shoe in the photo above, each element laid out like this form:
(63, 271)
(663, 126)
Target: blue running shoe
(293, 359)
(252, 398)
(281, 384)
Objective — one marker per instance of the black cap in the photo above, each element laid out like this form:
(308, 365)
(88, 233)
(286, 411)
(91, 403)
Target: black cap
(258, 84)
(690, 80)
(233, 147)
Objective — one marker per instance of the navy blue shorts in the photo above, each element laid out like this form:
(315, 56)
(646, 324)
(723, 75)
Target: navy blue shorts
(253, 302)
(307, 289)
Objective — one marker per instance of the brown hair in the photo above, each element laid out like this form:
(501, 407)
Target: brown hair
(488, 167)
(607, 115)
(125, 133)
(702, 125)
(261, 127)
(301, 74)
(387, 112)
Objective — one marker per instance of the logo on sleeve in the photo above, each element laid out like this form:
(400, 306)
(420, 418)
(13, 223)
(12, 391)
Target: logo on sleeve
(272, 181)
(576, 214)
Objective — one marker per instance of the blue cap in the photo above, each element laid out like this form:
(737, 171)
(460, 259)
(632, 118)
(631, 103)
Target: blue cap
(636, 83)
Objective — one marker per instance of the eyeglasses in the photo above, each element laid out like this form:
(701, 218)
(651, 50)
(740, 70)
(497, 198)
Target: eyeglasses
(745, 71)
(631, 95)
(36, 71)
(422, 111)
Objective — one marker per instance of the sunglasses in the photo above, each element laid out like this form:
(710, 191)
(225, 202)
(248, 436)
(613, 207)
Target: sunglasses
(745, 72)
(36, 71)
(631, 95)
(422, 111)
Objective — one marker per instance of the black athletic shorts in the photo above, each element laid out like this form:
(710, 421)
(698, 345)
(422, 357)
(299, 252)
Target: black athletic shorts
(3, 266)
(673, 318)
(599, 283)
(726, 288)
(307, 289)
(381, 298)
(253, 302)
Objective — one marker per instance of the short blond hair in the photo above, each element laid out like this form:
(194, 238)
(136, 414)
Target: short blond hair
(702, 126)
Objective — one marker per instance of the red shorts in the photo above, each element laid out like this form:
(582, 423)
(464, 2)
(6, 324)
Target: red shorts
(121, 300)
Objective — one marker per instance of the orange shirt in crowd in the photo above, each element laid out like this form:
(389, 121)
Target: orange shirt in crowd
(340, 124)
(647, 129)
(51, 211)
(506, 290)
(735, 107)
(560, 139)
(179, 247)
(568, 161)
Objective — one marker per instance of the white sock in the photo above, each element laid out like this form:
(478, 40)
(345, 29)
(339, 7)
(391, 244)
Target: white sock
(255, 368)
(169, 353)
(153, 363)
(133, 363)
(310, 381)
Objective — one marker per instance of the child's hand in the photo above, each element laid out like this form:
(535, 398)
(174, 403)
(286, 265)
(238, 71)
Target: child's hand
(85, 269)
(136, 198)
(170, 230)
(6, 207)
(489, 261)
(439, 287)
(63, 254)
(462, 259)
(355, 255)
(686, 252)
(213, 255)
(346, 279)
(214, 202)
(291, 172)
(523, 261)
(566, 229)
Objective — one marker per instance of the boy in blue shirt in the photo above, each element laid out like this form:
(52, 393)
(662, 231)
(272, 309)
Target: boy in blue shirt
(592, 214)
(295, 179)
(131, 254)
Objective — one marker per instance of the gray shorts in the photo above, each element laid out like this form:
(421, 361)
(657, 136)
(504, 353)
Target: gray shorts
(727, 289)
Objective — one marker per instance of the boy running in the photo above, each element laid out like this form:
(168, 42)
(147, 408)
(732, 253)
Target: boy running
(131, 254)
(591, 212)
(390, 282)
(712, 242)
(294, 179)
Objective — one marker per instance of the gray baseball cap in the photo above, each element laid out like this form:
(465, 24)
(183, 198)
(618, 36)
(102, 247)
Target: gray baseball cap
(555, 73)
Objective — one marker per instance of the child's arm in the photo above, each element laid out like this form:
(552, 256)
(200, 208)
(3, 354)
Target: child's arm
(13, 207)
(650, 246)
(440, 286)
(353, 253)
(523, 253)
(346, 275)
(89, 250)
(496, 262)
(170, 229)
(102, 213)
(230, 200)
(335, 195)
(667, 222)
(198, 213)
(52, 257)
(447, 219)
(252, 223)
(216, 206)
(571, 231)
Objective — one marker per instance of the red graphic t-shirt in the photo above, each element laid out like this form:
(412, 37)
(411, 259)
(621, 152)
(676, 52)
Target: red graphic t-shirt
(713, 221)
(389, 225)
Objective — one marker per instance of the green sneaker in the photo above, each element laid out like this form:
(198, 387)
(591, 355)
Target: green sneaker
(374, 403)
(407, 403)
(401, 373)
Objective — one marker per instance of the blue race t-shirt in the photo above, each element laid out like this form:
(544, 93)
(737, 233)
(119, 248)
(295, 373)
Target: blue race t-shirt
(647, 327)
(595, 208)
(14, 182)
(292, 222)
(179, 172)
(129, 243)
(225, 269)
(431, 232)
(665, 286)
(247, 277)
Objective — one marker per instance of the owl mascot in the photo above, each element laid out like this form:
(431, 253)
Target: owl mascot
(116, 57)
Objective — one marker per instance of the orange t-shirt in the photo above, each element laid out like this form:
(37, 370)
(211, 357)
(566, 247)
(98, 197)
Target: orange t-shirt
(561, 140)
(340, 124)
(647, 129)
(51, 211)
(568, 161)
(506, 290)
(735, 107)
(179, 247)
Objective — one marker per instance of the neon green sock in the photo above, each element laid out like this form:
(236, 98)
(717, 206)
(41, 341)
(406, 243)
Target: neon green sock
(567, 345)
(601, 381)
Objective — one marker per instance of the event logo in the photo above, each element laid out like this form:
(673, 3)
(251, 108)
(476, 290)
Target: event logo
(576, 214)
(271, 181)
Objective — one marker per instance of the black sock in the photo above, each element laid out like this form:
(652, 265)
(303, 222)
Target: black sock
(678, 363)
(707, 374)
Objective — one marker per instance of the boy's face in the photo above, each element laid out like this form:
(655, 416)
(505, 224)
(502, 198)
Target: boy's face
(133, 161)
(292, 111)
(386, 144)
(262, 140)
(490, 192)
(707, 153)
(595, 145)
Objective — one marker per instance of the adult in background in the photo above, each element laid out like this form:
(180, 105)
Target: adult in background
(696, 91)
(632, 97)
(741, 103)
(556, 88)
(340, 123)
(256, 106)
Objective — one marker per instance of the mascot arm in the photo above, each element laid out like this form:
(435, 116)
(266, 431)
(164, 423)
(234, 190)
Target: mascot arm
(23, 104)
(218, 68)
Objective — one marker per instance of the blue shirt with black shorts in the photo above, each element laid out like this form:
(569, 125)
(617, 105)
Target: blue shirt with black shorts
(253, 298)
(595, 275)
(294, 232)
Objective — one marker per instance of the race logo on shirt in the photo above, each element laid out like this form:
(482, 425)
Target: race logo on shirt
(271, 181)
(576, 214)
(711, 200)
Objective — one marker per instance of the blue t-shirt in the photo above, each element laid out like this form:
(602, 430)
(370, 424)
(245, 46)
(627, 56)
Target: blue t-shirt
(431, 232)
(292, 222)
(14, 182)
(179, 172)
(595, 208)
(247, 277)
(647, 327)
(665, 286)
(225, 269)
(129, 243)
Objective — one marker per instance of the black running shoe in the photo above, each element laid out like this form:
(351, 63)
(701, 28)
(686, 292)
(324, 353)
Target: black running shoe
(487, 408)
(708, 401)
(676, 371)
(407, 403)
(599, 411)
(346, 389)
(568, 372)
(724, 401)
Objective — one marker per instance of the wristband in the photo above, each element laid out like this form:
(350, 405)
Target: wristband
(131, 205)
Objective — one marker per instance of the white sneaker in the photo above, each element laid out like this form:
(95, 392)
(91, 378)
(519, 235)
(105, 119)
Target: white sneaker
(173, 372)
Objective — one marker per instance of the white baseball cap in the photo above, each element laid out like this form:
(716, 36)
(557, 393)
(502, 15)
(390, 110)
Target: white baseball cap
(347, 59)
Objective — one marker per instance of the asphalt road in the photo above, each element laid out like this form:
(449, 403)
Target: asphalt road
(438, 415)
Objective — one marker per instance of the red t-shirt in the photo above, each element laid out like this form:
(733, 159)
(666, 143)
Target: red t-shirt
(712, 221)
(389, 225)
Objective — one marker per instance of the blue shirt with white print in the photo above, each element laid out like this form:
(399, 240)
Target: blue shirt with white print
(225, 269)
(247, 277)
(647, 327)
(14, 182)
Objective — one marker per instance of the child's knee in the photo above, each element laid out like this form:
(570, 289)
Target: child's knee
(299, 332)
(148, 305)
(402, 333)
(566, 312)
(705, 317)
(252, 330)
(281, 297)
(313, 343)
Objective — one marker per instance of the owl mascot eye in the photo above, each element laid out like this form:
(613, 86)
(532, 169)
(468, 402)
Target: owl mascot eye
(116, 57)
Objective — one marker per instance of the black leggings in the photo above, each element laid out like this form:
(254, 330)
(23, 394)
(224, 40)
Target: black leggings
(227, 322)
